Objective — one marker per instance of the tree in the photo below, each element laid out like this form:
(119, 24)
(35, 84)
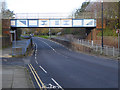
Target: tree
(6, 13)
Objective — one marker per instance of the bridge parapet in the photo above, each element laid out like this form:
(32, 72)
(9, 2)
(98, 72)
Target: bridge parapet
(53, 23)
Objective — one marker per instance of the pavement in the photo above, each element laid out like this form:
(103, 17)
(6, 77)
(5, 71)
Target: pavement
(14, 73)
(57, 66)
(15, 77)
(6, 52)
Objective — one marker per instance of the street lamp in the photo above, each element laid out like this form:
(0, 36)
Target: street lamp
(102, 23)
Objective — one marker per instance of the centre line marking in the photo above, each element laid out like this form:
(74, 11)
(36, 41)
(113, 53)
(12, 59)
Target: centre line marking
(43, 69)
(35, 58)
(49, 46)
(54, 49)
(57, 83)
(36, 61)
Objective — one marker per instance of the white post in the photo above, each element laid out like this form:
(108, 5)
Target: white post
(113, 51)
(106, 50)
(101, 50)
(88, 42)
(80, 41)
(96, 48)
(92, 42)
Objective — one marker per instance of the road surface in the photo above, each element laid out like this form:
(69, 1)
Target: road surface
(53, 65)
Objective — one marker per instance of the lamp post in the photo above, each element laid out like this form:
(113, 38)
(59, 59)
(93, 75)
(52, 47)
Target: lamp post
(119, 27)
(102, 24)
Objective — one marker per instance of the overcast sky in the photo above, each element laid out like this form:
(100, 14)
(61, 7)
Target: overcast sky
(43, 6)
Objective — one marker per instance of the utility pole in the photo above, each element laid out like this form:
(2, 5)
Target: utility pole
(119, 27)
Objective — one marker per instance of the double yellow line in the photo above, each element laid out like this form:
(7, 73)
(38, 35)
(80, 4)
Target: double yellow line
(37, 78)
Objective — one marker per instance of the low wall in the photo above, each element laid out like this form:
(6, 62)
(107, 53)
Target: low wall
(73, 46)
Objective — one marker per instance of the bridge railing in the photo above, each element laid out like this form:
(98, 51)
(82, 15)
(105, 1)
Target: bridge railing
(41, 15)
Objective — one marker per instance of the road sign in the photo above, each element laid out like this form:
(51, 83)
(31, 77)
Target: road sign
(12, 31)
(118, 31)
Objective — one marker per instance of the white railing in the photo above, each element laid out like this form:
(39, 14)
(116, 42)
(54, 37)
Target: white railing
(106, 50)
(94, 45)
(41, 15)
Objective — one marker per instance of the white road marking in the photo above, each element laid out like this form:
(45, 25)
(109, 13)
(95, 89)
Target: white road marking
(49, 46)
(36, 61)
(56, 83)
(35, 58)
(43, 69)
(54, 49)
(36, 46)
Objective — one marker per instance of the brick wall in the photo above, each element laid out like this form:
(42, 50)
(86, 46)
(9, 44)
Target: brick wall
(6, 37)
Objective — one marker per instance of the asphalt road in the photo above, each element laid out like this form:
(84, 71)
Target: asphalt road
(58, 66)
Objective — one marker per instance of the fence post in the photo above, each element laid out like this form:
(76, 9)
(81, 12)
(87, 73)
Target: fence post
(101, 50)
(88, 42)
(92, 42)
(106, 50)
(96, 48)
(113, 51)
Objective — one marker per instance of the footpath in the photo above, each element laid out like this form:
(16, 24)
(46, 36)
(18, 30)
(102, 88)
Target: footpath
(13, 76)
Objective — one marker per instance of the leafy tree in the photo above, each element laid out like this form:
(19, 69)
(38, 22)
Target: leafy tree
(6, 13)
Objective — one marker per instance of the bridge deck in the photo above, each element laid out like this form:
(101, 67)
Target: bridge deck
(48, 23)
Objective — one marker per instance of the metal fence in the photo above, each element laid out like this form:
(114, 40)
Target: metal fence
(106, 50)
(95, 46)
(20, 47)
